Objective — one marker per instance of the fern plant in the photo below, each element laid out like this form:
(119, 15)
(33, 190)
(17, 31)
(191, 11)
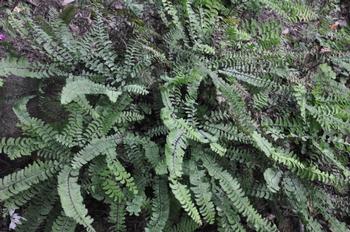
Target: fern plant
(178, 132)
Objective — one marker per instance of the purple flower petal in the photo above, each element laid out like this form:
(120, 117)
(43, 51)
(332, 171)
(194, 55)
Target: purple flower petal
(15, 219)
(12, 226)
(2, 36)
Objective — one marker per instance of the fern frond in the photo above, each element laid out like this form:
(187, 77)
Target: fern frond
(229, 220)
(227, 131)
(160, 207)
(203, 196)
(136, 89)
(22, 68)
(238, 111)
(72, 133)
(112, 189)
(175, 151)
(171, 10)
(71, 198)
(298, 199)
(22, 198)
(19, 147)
(119, 172)
(234, 192)
(293, 163)
(300, 96)
(186, 224)
(33, 126)
(117, 217)
(294, 11)
(38, 210)
(182, 194)
(76, 87)
(95, 148)
(25, 178)
(63, 224)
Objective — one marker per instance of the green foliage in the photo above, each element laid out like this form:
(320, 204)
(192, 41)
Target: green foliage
(117, 217)
(203, 119)
(293, 10)
(71, 199)
(63, 224)
(38, 210)
(235, 194)
(203, 195)
(80, 87)
(121, 175)
(182, 194)
(23, 179)
(160, 207)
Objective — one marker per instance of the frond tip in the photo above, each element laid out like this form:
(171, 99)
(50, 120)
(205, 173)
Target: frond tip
(80, 87)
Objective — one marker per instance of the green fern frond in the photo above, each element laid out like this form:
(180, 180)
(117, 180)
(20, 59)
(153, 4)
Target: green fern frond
(294, 11)
(129, 116)
(24, 179)
(119, 172)
(117, 215)
(19, 147)
(22, 198)
(203, 196)
(175, 151)
(182, 194)
(33, 126)
(136, 89)
(71, 198)
(234, 192)
(186, 224)
(170, 9)
(327, 152)
(76, 87)
(72, 133)
(293, 163)
(160, 207)
(298, 199)
(300, 95)
(23, 68)
(229, 220)
(95, 148)
(238, 110)
(63, 224)
(112, 189)
(38, 210)
(261, 191)
(226, 131)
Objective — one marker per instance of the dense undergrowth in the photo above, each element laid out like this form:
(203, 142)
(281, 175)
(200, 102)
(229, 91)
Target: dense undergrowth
(211, 117)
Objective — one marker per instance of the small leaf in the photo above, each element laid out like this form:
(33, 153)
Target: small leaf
(273, 178)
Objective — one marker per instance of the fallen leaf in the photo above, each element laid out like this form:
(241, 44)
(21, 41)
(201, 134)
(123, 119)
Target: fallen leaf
(271, 217)
(334, 26)
(17, 9)
(66, 2)
(285, 31)
(325, 50)
(118, 5)
(338, 23)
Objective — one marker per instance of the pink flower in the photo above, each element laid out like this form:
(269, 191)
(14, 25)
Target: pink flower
(2, 36)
